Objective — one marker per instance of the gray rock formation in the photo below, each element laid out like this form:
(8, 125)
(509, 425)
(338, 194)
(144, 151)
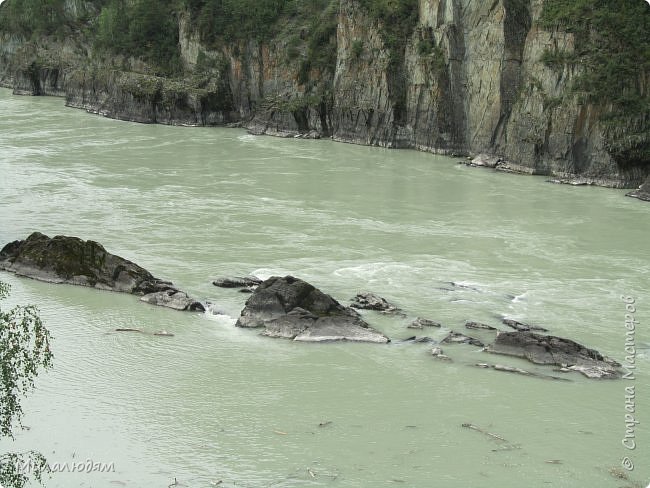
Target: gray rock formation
(237, 282)
(418, 340)
(479, 325)
(421, 323)
(545, 349)
(438, 353)
(512, 369)
(521, 327)
(70, 260)
(643, 192)
(458, 338)
(178, 300)
(370, 301)
(294, 309)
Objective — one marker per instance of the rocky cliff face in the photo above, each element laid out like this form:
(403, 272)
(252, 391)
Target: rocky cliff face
(467, 80)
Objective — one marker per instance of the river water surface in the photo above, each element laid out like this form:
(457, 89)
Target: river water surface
(216, 403)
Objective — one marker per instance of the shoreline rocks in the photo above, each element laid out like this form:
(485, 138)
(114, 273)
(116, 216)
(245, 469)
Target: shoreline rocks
(287, 307)
(70, 260)
(642, 193)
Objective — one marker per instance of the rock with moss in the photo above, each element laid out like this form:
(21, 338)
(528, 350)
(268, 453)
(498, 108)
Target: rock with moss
(71, 260)
(291, 308)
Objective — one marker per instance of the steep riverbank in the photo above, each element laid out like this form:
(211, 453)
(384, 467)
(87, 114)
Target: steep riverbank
(458, 77)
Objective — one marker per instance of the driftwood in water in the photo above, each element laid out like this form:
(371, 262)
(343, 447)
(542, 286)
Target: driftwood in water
(506, 444)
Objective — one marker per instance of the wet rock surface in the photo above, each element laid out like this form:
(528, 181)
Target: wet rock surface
(438, 353)
(71, 260)
(522, 327)
(478, 326)
(178, 300)
(370, 301)
(291, 308)
(512, 369)
(421, 323)
(245, 282)
(458, 338)
(551, 350)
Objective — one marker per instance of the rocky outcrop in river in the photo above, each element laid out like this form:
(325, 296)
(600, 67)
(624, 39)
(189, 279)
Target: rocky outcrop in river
(71, 260)
(291, 308)
(545, 349)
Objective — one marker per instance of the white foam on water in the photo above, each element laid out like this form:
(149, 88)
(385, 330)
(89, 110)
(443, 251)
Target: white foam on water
(520, 298)
(219, 318)
(266, 273)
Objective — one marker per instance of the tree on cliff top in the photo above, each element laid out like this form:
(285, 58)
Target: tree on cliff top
(24, 349)
(146, 29)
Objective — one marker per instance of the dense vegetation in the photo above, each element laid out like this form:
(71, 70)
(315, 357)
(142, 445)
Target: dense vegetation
(397, 20)
(230, 20)
(612, 48)
(33, 18)
(307, 26)
(147, 29)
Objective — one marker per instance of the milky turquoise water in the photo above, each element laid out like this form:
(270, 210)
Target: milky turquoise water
(219, 403)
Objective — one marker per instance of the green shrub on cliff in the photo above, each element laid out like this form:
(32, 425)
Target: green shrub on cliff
(611, 44)
(397, 19)
(321, 43)
(146, 29)
(231, 20)
(33, 18)
(612, 51)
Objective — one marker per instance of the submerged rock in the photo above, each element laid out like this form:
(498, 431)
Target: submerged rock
(479, 325)
(71, 260)
(458, 338)
(294, 309)
(178, 300)
(421, 323)
(521, 327)
(418, 340)
(437, 353)
(245, 282)
(546, 349)
(512, 369)
(370, 301)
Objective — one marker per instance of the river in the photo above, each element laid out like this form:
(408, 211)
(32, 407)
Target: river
(217, 403)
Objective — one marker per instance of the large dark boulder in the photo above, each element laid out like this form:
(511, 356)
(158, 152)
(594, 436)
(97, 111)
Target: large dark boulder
(291, 308)
(71, 260)
(546, 349)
